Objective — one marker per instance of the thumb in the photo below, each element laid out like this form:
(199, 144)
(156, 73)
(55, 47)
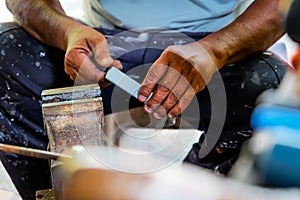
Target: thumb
(102, 55)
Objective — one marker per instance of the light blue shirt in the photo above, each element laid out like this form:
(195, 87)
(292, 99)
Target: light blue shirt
(180, 15)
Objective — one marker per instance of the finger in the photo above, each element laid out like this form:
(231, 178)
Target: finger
(160, 94)
(102, 55)
(153, 76)
(72, 63)
(103, 59)
(90, 71)
(165, 86)
(173, 97)
(71, 71)
(183, 103)
(80, 67)
(117, 64)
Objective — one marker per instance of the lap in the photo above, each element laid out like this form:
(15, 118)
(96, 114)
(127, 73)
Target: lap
(27, 67)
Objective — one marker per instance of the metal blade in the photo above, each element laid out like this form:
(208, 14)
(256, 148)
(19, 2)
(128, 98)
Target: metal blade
(123, 81)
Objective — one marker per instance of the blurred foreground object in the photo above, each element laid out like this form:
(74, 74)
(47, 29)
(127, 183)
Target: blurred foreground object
(272, 156)
(292, 21)
(87, 179)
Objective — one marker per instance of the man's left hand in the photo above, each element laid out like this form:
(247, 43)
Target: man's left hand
(175, 77)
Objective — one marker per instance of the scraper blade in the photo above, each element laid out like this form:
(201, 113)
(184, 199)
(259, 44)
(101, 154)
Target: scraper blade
(123, 81)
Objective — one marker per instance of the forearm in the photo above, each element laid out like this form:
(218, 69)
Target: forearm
(43, 19)
(254, 31)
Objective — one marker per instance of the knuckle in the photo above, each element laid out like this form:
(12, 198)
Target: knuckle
(152, 76)
(69, 56)
(162, 90)
(166, 84)
(175, 111)
(145, 90)
(193, 60)
(171, 48)
(198, 86)
(157, 99)
(172, 98)
(152, 102)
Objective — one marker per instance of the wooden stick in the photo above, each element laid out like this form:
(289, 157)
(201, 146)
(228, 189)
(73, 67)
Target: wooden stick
(36, 153)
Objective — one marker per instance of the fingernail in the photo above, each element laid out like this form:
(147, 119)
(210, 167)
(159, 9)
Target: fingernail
(157, 116)
(170, 115)
(148, 109)
(142, 98)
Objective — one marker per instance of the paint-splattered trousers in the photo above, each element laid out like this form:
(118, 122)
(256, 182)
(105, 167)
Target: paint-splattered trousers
(27, 67)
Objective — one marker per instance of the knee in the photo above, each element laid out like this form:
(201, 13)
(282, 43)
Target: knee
(264, 70)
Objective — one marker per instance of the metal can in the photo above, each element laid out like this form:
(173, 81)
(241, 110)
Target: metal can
(73, 116)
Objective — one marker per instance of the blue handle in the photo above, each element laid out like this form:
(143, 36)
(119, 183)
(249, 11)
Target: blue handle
(266, 115)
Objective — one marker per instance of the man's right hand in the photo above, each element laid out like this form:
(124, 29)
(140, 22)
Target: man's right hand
(87, 49)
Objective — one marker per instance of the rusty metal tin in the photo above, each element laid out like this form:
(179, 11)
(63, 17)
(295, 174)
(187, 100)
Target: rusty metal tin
(73, 116)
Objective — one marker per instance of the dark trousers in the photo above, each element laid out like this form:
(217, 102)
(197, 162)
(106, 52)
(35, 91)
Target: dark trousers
(27, 67)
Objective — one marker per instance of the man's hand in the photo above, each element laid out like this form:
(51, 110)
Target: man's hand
(87, 49)
(92, 184)
(176, 76)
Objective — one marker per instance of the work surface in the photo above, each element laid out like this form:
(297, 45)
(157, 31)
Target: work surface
(149, 145)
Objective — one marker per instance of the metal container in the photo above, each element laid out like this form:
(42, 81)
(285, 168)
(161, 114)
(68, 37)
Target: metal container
(73, 116)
